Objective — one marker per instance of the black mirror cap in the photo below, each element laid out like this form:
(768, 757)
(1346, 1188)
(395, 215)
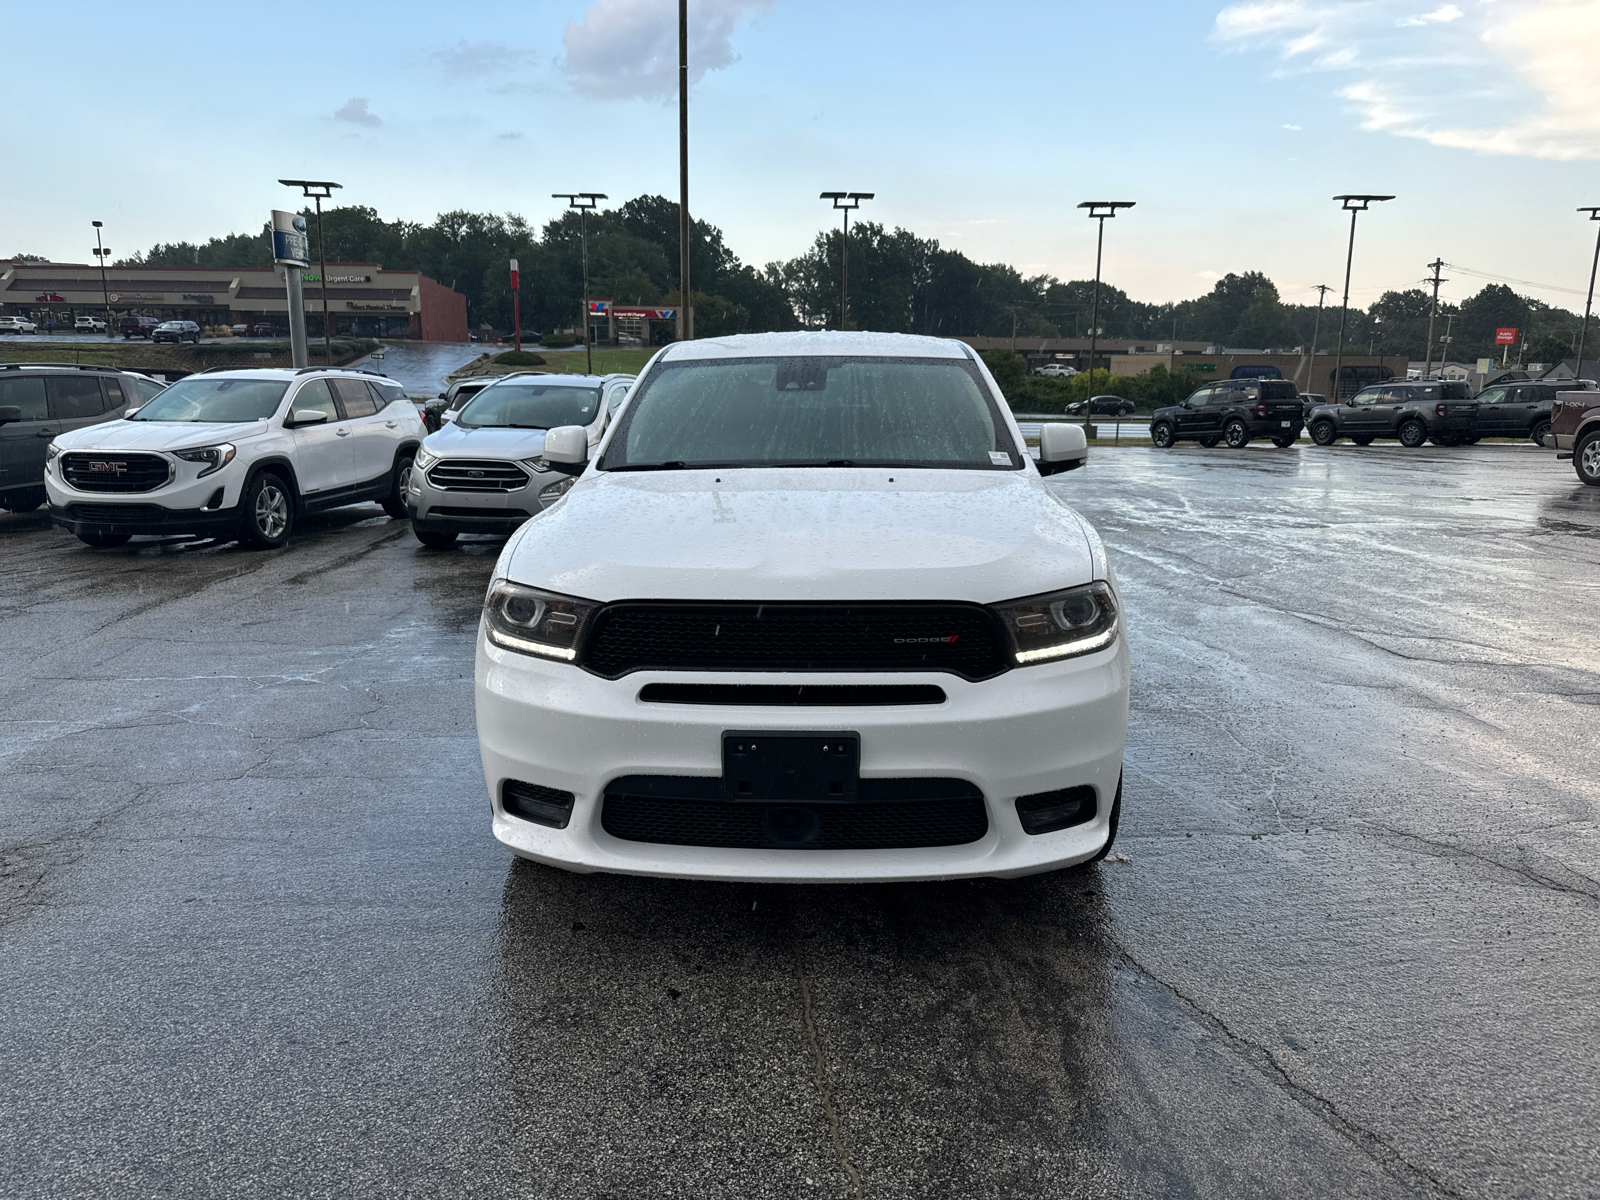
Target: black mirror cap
(1061, 464)
(10, 412)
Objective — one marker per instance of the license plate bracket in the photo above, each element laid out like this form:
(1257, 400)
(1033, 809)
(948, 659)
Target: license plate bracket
(804, 767)
(1284, 424)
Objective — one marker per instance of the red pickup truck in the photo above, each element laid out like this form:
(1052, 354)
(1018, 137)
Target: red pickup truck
(1575, 432)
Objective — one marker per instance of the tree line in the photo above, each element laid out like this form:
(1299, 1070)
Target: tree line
(899, 282)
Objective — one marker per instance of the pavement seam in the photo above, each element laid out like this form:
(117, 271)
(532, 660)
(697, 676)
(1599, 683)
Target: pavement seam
(819, 1074)
(1373, 1145)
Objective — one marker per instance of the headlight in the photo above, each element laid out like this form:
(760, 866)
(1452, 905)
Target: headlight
(425, 458)
(215, 457)
(1079, 620)
(551, 492)
(50, 453)
(529, 621)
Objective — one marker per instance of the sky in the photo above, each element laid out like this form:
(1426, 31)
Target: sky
(1231, 125)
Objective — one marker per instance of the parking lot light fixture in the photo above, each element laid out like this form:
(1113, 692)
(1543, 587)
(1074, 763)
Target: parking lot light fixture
(100, 252)
(584, 202)
(1099, 210)
(319, 190)
(1583, 330)
(1352, 204)
(845, 201)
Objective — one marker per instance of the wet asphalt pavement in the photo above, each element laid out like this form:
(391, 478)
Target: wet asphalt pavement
(256, 940)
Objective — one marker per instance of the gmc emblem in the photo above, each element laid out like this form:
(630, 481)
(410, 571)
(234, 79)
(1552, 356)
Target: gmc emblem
(107, 468)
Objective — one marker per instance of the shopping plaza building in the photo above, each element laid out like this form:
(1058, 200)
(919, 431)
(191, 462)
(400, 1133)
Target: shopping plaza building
(365, 299)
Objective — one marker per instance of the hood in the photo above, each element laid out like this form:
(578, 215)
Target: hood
(156, 435)
(487, 442)
(805, 534)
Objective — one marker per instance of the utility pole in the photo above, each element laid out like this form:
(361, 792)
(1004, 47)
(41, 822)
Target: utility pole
(100, 253)
(845, 201)
(1583, 334)
(1352, 204)
(1099, 210)
(1322, 291)
(685, 313)
(583, 202)
(319, 191)
(1427, 360)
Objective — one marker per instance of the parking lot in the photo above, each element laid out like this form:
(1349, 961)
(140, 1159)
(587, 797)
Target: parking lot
(258, 941)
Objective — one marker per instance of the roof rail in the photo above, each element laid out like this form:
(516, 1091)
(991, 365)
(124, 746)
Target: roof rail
(19, 366)
(353, 370)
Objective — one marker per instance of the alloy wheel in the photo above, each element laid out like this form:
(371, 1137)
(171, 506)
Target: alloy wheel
(1589, 460)
(272, 511)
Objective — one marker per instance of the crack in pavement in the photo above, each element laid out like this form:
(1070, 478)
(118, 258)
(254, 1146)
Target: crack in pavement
(837, 1134)
(1447, 850)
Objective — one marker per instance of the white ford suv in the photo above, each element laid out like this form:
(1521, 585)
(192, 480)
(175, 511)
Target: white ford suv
(236, 454)
(483, 471)
(809, 613)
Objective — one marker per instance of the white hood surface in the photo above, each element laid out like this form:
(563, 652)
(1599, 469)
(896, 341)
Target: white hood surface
(486, 442)
(804, 534)
(156, 435)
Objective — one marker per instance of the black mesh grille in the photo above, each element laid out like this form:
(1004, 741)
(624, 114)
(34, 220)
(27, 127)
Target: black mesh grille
(477, 475)
(116, 512)
(682, 636)
(893, 814)
(791, 695)
(114, 472)
(488, 514)
(535, 802)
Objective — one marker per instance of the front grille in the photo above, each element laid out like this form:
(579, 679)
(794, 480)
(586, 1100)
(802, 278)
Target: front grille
(477, 475)
(890, 814)
(963, 639)
(790, 695)
(488, 514)
(116, 512)
(114, 472)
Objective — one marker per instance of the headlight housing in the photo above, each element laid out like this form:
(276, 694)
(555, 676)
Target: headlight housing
(1062, 624)
(551, 492)
(536, 622)
(215, 457)
(425, 458)
(50, 453)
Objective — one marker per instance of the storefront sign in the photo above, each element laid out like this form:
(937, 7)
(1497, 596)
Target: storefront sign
(308, 277)
(1505, 337)
(289, 242)
(653, 314)
(351, 304)
(600, 307)
(130, 297)
(51, 298)
(202, 299)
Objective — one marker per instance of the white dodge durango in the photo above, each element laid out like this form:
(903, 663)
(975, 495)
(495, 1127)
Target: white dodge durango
(810, 613)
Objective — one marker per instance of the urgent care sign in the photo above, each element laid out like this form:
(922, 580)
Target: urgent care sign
(1505, 337)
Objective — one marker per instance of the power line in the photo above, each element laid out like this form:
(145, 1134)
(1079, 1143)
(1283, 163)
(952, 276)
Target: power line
(1548, 287)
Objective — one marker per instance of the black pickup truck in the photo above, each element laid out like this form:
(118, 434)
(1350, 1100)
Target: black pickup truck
(1232, 410)
(1412, 413)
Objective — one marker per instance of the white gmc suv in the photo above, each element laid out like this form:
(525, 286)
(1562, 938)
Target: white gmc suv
(236, 454)
(809, 612)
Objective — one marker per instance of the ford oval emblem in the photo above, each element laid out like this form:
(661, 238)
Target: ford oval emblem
(475, 474)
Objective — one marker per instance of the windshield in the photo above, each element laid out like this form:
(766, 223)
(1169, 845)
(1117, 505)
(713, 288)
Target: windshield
(200, 399)
(531, 406)
(791, 411)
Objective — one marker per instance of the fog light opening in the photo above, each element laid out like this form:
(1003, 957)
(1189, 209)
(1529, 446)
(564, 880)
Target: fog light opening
(532, 802)
(1046, 812)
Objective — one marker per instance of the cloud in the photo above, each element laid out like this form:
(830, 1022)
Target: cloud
(1499, 78)
(1438, 16)
(628, 49)
(356, 112)
(522, 137)
(478, 60)
(1295, 128)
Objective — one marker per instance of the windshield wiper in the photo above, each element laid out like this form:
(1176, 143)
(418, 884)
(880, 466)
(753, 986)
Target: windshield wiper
(676, 464)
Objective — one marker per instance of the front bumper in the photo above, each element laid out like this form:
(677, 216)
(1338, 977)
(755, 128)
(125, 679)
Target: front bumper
(1033, 729)
(146, 518)
(443, 510)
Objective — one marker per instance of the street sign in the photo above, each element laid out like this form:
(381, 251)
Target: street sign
(1485, 365)
(289, 242)
(1505, 337)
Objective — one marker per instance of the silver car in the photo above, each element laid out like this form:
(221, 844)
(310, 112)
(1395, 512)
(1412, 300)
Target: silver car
(484, 471)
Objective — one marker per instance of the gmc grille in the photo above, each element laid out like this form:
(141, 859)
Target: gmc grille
(115, 472)
(477, 475)
(962, 639)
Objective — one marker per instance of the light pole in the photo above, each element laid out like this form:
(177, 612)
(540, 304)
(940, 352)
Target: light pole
(584, 202)
(100, 253)
(1099, 210)
(685, 313)
(1427, 359)
(1583, 330)
(319, 190)
(1351, 205)
(845, 201)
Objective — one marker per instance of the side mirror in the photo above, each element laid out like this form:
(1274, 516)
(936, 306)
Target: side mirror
(443, 396)
(308, 416)
(566, 449)
(10, 412)
(1062, 448)
(128, 416)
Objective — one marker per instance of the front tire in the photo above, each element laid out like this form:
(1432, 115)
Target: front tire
(1323, 433)
(24, 501)
(1540, 431)
(1236, 435)
(1412, 434)
(1362, 439)
(1116, 819)
(103, 541)
(268, 512)
(434, 539)
(1209, 442)
(1586, 458)
(1161, 436)
(395, 503)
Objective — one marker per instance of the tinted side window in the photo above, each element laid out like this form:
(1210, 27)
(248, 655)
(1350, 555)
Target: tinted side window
(1224, 395)
(316, 396)
(388, 393)
(1366, 396)
(117, 392)
(1198, 400)
(75, 396)
(356, 396)
(1454, 391)
(149, 389)
(27, 394)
